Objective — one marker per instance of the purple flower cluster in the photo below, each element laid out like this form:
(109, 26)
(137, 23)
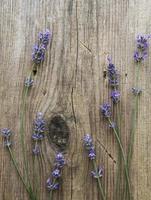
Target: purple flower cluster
(115, 96)
(88, 144)
(113, 75)
(39, 49)
(52, 182)
(6, 133)
(106, 110)
(142, 47)
(39, 129)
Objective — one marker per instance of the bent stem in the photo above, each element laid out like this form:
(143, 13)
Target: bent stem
(99, 182)
(17, 169)
(123, 156)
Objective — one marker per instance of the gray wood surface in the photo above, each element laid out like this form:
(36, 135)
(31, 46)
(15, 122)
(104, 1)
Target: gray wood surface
(70, 83)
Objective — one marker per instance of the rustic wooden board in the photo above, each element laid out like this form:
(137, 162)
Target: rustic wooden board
(71, 84)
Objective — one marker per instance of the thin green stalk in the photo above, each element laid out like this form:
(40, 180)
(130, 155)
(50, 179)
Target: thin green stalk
(118, 181)
(99, 181)
(133, 124)
(22, 132)
(22, 119)
(50, 195)
(17, 169)
(123, 156)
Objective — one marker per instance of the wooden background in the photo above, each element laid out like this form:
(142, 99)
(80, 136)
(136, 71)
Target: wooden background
(71, 84)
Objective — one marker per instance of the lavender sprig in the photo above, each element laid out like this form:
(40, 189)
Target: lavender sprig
(38, 55)
(113, 75)
(38, 132)
(52, 182)
(6, 134)
(97, 172)
(140, 54)
(106, 108)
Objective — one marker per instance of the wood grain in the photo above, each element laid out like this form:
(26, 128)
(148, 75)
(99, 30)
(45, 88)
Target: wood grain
(71, 83)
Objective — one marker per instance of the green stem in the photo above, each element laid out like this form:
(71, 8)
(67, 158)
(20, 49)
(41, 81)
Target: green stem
(50, 195)
(123, 156)
(22, 118)
(99, 181)
(118, 181)
(133, 124)
(17, 169)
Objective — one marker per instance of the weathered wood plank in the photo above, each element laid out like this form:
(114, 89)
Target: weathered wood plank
(71, 84)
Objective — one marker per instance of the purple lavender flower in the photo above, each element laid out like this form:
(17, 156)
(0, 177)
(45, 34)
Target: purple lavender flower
(106, 110)
(115, 96)
(88, 144)
(51, 186)
(6, 133)
(142, 47)
(88, 141)
(142, 42)
(112, 125)
(28, 82)
(39, 125)
(112, 74)
(44, 37)
(136, 91)
(98, 173)
(39, 49)
(38, 54)
(39, 129)
(52, 183)
(140, 56)
(92, 154)
(59, 161)
(56, 173)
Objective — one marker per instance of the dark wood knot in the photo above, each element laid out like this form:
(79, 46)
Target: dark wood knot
(58, 132)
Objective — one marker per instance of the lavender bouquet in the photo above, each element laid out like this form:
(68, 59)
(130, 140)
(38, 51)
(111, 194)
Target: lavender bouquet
(38, 56)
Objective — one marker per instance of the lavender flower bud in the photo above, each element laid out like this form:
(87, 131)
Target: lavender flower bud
(59, 161)
(142, 42)
(136, 91)
(39, 129)
(28, 82)
(51, 186)
(113, 75)
(88, 144)
(115, 96)
(92, 154)
(56, 173)
(140, 56)
(88, 141)
(38, 54)
(112, 125)
(6, 133)
(142, 47)
(39, 49)
(106, 110)
(98, 173)
(45, 37)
